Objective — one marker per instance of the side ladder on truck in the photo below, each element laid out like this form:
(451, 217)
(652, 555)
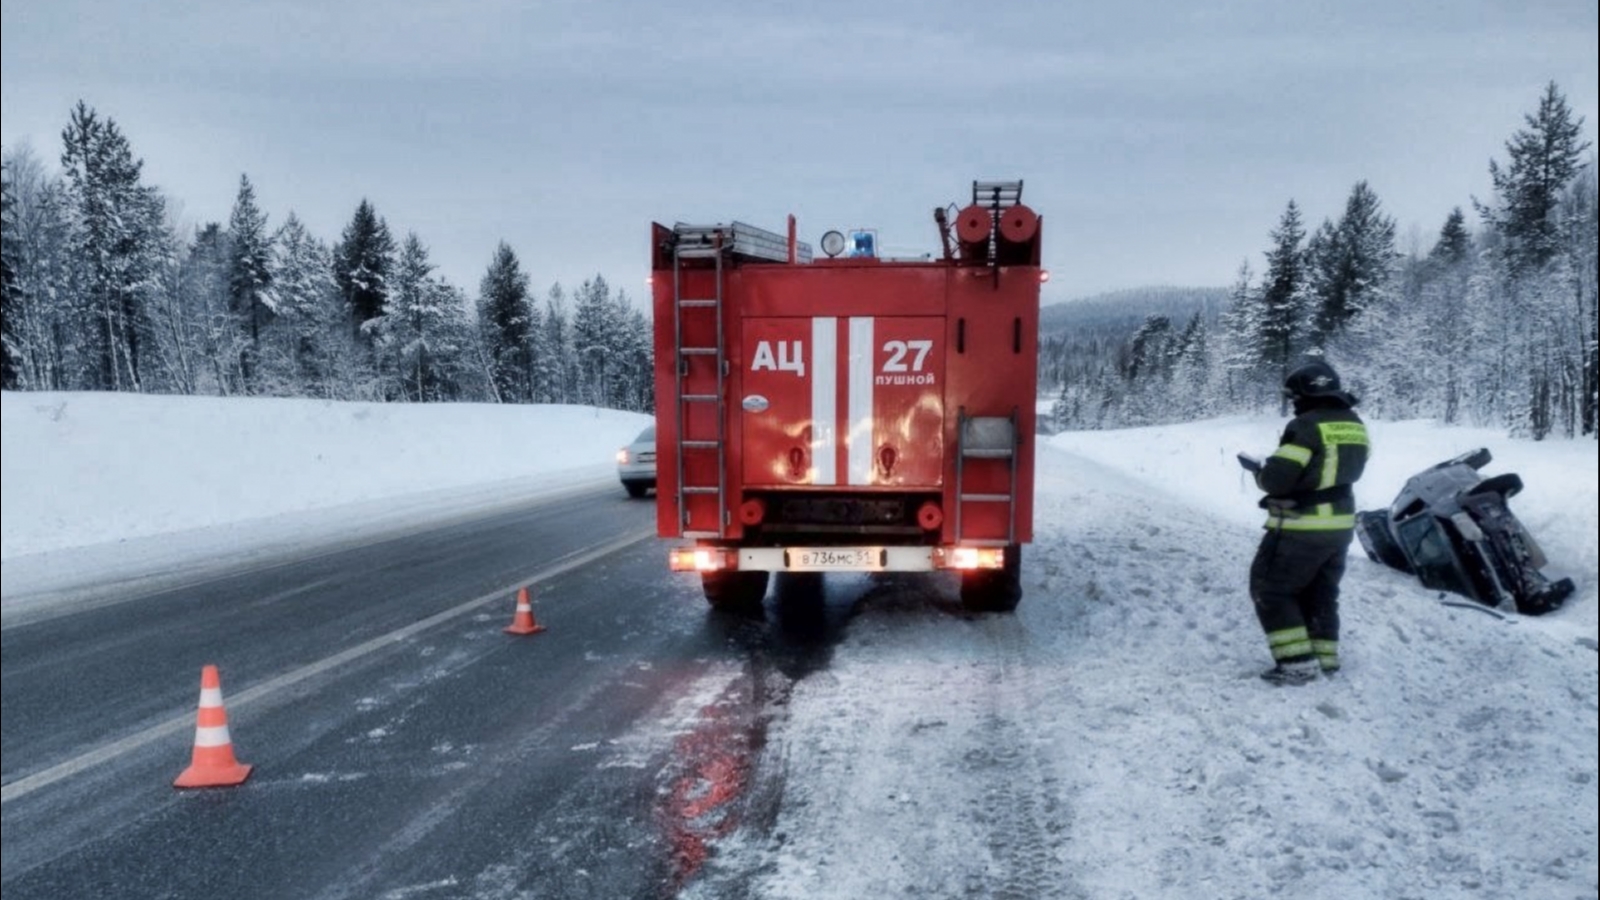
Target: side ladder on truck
(700, 243)
(986, 438)
(723, 245)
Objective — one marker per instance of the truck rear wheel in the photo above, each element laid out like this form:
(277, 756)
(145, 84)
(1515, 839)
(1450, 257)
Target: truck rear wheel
(734, 591)
(991, 590)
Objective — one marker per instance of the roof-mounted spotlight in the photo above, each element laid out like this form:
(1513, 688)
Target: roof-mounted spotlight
(833, 243)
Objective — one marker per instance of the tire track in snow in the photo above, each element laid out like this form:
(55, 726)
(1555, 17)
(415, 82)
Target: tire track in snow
(1025, 810)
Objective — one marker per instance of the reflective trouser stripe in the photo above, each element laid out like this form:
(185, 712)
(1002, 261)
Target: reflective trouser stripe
(1327, 653)
(1311, 523)
(1289, 643)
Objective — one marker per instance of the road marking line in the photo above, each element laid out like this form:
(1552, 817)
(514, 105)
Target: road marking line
(24, 786)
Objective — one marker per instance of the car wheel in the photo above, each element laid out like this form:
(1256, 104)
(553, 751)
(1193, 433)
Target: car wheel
(635, 489)
(1506, 485)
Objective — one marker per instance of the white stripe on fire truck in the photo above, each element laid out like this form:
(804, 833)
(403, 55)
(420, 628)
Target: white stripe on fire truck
(824, 401)
(859, 428)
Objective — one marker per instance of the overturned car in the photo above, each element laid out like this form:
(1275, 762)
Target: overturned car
(1453, 530)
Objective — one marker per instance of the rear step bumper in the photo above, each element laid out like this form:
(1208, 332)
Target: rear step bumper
(971, 555)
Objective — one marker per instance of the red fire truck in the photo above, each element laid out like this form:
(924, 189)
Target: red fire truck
(850, 412)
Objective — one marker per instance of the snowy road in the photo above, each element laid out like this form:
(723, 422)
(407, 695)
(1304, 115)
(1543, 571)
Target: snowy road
(1109, 740)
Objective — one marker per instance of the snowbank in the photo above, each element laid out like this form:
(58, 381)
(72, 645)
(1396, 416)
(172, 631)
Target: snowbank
(86, 468)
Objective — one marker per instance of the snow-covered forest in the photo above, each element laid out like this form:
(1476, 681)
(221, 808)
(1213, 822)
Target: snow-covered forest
(103, 290)
(1493, 323)
(1490, 322)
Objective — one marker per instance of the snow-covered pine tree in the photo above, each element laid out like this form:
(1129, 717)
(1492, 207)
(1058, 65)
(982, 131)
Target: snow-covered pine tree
(203, 293)
(1484, 350)
(537, 349)
(1349, 266)
(1355, 317)
(426, 331)
(1239, 336)
(1277, 330)
(1582, 216)
(1543, 159)
(249, 276)
(503, 314)
(1144, 369)
(455, 355)
(560, 361)
(38, 229)
(1454, 242)
(1545, 357)
(317, 350)
(117, 242)
(596, 334)
(1323, 260)
(635, 352)
(11, 339)
(1191, 367)
(413, 323)
(160, 280)
(362, 265)
(1439, 343)
(175, 332)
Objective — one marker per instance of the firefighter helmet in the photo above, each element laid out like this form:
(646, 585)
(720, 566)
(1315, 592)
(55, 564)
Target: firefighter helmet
(1315, 379)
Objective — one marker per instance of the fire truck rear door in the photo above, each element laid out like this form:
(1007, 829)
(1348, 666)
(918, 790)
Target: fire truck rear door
(843, 401)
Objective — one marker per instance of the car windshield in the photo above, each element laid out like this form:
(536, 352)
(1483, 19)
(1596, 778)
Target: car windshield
(649, 434)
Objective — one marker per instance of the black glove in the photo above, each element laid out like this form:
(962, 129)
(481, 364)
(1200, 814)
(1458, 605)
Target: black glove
(1249, 463)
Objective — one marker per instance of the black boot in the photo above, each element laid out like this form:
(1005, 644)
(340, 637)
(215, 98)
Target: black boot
(1296, 671)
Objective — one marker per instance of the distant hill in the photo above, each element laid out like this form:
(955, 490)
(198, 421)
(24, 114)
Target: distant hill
(1123, 311)
(1084, 343)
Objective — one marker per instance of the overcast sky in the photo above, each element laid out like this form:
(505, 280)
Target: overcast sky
(1159, 141)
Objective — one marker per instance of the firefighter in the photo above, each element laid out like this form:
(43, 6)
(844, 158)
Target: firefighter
(1294, 580)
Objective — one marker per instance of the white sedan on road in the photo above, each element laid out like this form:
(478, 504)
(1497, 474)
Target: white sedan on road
(636, 463)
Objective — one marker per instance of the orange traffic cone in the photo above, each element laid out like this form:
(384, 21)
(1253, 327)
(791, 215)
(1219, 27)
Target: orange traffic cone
(523, 623)
(213, 764)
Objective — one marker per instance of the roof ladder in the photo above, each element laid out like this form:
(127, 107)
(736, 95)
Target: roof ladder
(998, 196)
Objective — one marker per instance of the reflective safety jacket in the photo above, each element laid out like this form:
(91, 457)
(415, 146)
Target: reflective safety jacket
(1322, 453)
